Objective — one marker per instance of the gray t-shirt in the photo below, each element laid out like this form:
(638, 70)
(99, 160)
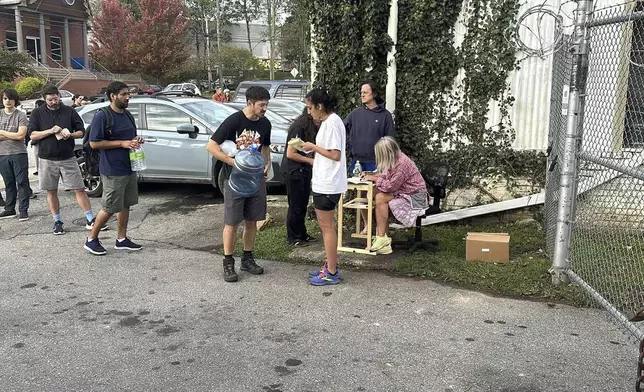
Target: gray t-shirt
(11, 123)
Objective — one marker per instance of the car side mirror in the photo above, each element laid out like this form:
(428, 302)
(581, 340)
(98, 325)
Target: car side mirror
(188, 129)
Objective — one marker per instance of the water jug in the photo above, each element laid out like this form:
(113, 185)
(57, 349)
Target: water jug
(247, 173)
(137, 159)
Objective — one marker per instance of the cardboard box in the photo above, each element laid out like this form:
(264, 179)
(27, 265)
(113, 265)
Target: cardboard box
(490, 247)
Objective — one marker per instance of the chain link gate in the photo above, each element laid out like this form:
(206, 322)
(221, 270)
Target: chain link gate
(596, 182)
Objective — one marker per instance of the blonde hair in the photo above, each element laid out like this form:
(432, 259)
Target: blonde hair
(387, 150)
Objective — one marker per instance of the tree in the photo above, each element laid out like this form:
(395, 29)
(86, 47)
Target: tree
(94, 7)
(295, 37)
(133, 6)
(273, 6)
(13, 64)
(193, 68)
(236, 59)
(202, 14)
(114, 28)
(159, 42)
(247, 11)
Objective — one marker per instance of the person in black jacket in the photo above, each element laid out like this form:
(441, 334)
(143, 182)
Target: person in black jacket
(55, 127)
(297, 170)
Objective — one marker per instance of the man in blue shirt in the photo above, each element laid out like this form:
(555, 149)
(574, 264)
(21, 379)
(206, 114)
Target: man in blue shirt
(120, 188)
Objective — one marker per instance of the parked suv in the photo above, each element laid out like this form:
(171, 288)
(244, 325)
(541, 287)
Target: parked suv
(179, 87)
(176, 131)
(283, 89)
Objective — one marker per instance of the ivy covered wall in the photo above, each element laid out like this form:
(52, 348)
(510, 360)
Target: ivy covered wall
(440, 115)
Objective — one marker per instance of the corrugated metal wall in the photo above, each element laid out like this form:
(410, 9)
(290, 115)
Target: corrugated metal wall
(531, 84)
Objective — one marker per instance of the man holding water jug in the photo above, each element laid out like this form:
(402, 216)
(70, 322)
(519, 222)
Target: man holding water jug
(113, 132)
(250, 132)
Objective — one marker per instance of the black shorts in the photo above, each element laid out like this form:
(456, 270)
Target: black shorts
(238, 209)
(324, 202)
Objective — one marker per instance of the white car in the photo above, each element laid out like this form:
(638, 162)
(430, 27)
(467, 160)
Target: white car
(182, 87)
(28, 105)
(176, 131)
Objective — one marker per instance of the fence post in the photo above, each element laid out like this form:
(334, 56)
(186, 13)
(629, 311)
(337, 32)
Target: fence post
(572, 144)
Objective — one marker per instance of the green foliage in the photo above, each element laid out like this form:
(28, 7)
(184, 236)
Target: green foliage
(133, 6)
(194, 68)
(427, 64)
(455, 119)
(236, 59)
(436, 118)
(4, 85)
(352, 43)
(14, 64)
(295, 41)
(246, 11)
(28, 86)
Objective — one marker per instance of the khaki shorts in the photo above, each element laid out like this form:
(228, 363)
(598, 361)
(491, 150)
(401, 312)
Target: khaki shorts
(119, 192)
(50, 172)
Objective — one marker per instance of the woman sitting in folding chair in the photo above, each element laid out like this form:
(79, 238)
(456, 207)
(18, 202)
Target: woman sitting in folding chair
(400, 189)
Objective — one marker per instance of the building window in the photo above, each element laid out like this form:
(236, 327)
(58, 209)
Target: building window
(11, 41)
(56, 48)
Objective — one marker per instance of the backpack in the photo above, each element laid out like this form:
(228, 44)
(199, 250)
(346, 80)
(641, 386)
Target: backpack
(92, 156)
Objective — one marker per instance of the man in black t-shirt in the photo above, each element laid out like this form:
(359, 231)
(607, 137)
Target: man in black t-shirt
(247, 128)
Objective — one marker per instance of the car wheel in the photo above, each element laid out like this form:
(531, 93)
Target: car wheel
(93, 184)
(220, 181)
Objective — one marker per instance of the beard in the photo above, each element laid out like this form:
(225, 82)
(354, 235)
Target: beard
(53, 107)
(120, 104)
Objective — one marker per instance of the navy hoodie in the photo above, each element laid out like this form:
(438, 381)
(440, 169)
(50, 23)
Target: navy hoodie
(364, 128)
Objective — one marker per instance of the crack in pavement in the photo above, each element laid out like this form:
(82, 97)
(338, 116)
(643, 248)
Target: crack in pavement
(170, 245)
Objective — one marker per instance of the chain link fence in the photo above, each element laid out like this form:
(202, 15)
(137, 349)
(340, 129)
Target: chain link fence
(595, 191)
(561, 68)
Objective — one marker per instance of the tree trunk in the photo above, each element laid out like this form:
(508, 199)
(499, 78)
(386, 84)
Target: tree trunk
(219, 63)
(197, 43)
(270, 37)
(247, 19)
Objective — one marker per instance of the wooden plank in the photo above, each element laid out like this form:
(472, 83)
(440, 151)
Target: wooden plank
(356, 250)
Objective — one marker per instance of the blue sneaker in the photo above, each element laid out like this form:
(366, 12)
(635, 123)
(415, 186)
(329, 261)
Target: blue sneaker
(126, 244)
(94, 247)
(324, 279)
(322, 271)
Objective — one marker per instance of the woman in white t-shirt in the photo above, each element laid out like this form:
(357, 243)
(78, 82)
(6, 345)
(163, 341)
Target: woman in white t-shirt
(329, 179)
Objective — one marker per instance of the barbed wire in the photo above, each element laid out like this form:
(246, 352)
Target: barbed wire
(537, 43)
(545, 26)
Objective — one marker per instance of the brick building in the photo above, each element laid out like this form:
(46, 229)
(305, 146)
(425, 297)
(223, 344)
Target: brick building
(53, 31)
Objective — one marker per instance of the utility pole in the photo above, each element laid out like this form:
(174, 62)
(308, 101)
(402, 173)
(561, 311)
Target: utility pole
(206, 17)
(221, 67)
(271, 27)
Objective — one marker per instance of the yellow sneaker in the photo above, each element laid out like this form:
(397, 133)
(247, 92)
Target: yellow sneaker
(379, 243)
(385, 250)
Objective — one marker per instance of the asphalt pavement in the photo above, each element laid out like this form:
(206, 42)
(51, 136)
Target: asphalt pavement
(162, 319)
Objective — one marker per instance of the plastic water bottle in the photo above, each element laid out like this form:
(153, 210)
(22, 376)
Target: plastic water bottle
(137, 159)
(247, 173)
(357, 169)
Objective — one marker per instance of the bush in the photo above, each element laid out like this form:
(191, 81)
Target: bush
(28, 86)
(4, 85)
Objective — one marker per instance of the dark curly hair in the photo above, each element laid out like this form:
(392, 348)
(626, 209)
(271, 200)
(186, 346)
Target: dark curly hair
(324, 97)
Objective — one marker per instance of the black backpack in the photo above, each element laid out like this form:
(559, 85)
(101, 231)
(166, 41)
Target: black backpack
(92, 156)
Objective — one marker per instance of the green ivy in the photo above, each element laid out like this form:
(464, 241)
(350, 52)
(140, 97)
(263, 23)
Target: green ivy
(352, 43)
(435, 120)
(427, 64)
